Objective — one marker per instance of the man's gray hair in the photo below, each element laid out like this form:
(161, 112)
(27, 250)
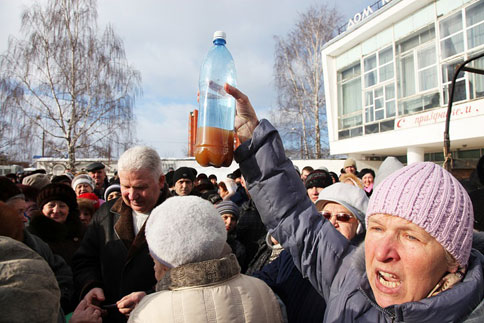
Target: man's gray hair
(140, 157)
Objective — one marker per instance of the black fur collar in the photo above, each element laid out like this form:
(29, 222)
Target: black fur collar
(51, 231)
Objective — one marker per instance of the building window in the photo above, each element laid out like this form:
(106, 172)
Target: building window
(413, 73)
(379, 93)
(380, 103)
(448, 70)
(475, 24)
(459, 33)
(417, 72)
(349, 114)
(477, 80)
(451, 35)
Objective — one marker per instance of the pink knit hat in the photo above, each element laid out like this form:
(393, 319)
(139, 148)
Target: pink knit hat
(430, 197)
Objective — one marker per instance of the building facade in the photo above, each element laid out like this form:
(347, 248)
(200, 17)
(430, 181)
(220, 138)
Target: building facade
(387, 80)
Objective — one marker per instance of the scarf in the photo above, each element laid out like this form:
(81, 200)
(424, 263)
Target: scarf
(448, 281)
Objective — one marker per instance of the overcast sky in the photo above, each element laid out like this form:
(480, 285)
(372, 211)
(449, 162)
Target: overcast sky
(167, 41)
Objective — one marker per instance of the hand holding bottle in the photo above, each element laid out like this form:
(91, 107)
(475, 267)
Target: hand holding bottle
(245, 119)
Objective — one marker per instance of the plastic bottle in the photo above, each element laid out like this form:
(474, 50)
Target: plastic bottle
(215, 126)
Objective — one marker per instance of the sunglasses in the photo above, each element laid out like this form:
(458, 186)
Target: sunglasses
(340, 217)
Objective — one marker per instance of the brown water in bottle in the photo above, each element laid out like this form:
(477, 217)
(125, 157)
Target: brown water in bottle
(214, 147)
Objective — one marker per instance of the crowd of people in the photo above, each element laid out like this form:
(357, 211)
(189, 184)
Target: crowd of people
(268, 243)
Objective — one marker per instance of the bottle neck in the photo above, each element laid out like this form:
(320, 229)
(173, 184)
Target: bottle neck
(219, 41)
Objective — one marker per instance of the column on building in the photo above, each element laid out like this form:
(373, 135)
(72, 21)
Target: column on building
(415, 154)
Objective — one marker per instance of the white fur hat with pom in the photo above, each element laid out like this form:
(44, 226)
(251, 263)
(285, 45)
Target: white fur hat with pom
(185, 229)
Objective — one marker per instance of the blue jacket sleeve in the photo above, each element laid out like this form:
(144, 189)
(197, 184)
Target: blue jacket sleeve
(318, 250)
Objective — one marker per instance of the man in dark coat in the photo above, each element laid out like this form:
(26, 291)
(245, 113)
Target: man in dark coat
(98, 173)
(113, 264)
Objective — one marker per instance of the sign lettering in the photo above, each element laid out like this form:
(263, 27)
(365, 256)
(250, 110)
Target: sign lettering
(360, 16)
(439, 115)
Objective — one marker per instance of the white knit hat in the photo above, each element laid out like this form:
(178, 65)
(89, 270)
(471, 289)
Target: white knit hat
(83, 178)
(185, 229)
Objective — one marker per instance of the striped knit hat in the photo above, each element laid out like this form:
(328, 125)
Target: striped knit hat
(430, 197)
(230, 207)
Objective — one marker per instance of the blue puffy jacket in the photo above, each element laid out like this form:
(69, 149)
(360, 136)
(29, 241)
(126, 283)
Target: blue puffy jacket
(324, 256)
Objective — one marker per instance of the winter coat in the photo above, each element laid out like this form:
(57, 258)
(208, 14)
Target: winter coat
(112, 257)
(240, 196)
(209, 291)
(324, 256)
(237, 247)
(303, 303)
(249, 230)
(62, 271)
(63, 238)
(266, 253)
(28, 288)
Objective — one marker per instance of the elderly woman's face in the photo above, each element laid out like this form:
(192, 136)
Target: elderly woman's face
(56, 210)
(83, 188)
(346, 228)
(403, 262)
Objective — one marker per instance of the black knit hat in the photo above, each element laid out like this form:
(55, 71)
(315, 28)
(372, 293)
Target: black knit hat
(57, 192)
(8, 189)
(184, 172)
(318, 178)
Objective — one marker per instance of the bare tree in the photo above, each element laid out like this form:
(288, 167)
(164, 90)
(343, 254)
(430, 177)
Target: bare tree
(69, 80)
(14, 132)
(299, 77)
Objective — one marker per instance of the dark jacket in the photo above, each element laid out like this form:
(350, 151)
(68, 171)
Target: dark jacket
(62, 271)
(265, 254)
(112, 257)
(250, 230)
(240, 196)
(63, 238)
(323, 255)
(303, 303)
(237, 247)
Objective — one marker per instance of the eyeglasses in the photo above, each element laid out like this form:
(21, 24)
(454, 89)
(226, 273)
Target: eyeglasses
(340, 217)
